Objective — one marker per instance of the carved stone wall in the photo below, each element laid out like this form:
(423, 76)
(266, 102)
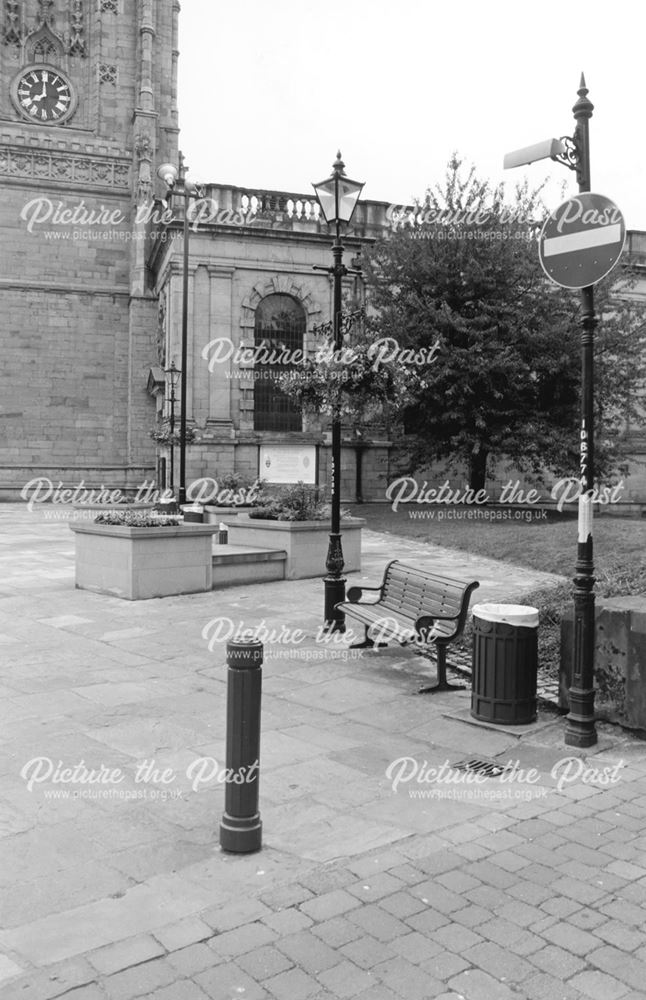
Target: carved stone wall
(80, 319)
(71, 169)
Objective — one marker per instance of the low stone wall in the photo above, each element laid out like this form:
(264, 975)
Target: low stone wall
(619, 661)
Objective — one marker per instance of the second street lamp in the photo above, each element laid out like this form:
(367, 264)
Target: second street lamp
(177, 184)
(338, 197)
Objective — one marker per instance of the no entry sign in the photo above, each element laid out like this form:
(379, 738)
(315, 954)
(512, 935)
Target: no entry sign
(582, 240)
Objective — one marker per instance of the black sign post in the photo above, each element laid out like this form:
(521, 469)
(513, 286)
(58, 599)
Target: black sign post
(580, 243)
(580, 730)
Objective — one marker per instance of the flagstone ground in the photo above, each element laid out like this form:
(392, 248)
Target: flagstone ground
(512, 888)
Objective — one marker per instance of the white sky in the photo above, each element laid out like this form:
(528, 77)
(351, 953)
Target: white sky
(269, 89)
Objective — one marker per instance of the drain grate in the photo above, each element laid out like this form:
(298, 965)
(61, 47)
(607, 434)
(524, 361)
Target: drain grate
(487, 767)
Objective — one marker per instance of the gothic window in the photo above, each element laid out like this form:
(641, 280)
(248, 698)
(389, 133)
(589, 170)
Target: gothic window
(45, 51)
(44, 45)
(279, 331)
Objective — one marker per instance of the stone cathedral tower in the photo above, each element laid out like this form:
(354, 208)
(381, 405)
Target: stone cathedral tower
(88, 108)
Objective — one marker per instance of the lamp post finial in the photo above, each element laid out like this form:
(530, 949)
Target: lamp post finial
(584, 107)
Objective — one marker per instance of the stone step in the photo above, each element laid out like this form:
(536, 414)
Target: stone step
(239, 564)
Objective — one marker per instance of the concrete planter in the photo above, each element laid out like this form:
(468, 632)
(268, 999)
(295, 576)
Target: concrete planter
(305, 542)
(139, 563)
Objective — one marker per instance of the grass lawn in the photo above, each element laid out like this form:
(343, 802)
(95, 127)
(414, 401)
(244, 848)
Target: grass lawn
(548, 545)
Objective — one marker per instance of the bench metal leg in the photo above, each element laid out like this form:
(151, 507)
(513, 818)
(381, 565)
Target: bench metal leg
(442, 683)
(367, 642)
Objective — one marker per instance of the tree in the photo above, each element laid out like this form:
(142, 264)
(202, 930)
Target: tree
(486, 357)
(363, 381)
(463, 271)
(620, 368)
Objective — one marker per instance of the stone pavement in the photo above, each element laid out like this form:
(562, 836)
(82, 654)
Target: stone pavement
(379, 878)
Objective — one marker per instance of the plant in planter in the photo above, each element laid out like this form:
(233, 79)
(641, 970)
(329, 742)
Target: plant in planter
(119, 499)
(141, 554)
(297, 503)
(298, 522)
(230, 494)
(237, 490)
(137, 519)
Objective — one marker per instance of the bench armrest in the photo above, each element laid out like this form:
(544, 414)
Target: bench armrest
(428, 620)
(355, 593)
(423, 626)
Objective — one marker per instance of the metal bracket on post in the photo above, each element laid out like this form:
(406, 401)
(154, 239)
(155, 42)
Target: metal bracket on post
(241, 826)
(571, 157)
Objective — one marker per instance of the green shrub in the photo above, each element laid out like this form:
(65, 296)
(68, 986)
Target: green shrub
(137, 519)
(296, 503)
(233, 489)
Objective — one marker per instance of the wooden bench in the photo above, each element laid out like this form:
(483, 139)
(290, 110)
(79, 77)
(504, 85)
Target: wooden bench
(413, 606)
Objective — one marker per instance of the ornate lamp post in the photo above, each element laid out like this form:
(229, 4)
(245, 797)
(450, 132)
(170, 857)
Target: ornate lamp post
(173, 378)
(338, 197)
(574, 153)
(179, 186)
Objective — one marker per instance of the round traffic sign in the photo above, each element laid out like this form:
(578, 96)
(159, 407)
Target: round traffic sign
(582, 240)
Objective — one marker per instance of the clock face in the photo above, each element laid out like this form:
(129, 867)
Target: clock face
(43, 95)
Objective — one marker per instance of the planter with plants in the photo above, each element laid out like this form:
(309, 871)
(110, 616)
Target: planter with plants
(298, 521)
(139, 554)
(232, 495)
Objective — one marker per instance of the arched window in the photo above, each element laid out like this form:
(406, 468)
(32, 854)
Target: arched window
(44, 46)
(279, 331)
(45, 51)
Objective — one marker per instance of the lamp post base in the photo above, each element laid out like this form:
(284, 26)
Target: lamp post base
(580, 728)
(574, 738)
(334, 594)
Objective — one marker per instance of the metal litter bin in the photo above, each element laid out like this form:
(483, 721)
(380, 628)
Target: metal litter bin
(193, 513)
(505, 663)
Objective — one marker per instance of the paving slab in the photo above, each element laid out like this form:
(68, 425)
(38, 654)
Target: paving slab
(115, 887)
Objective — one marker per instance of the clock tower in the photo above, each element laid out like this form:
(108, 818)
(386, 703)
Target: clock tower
(88, 108)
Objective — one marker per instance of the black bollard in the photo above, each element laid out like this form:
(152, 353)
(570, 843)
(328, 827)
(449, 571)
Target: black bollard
(241, 827)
